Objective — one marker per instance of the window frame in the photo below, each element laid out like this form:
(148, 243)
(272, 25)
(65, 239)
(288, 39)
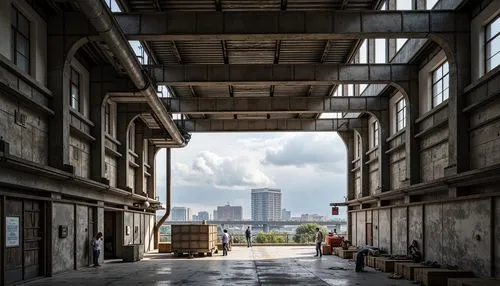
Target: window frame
(15, 33)
(488, 41)
(131, 137)
(440, 81)
(400, 114)
(107, 118)
(375, 136)
(78, 98)
(358, 146)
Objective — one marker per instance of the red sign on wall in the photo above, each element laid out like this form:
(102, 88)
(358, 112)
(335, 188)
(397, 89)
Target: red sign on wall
(335, 211)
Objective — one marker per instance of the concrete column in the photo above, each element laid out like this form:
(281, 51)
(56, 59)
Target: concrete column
(383, 146)
(457, 48)
(411, 142)
(348, 138)
(266, 228)
(151, 187)
(140, 145)
(365, 189)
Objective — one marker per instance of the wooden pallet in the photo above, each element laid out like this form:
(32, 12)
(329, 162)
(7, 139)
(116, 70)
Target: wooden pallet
(192, 252)
(438, 276)
(386, 264)
(347, 254)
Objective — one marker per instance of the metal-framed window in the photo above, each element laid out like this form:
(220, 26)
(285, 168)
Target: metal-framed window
(74, 91)
(375, 134)
(493, 44)
(380, 51)
(131, 137)
(400, 114)
(107, 118)
(440, 84)
(20, 41)
(358, 147)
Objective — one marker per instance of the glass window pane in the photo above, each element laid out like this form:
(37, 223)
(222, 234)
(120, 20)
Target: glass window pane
(75, 77)
(493, 62)
(436, 100)
(13, 16)
(493, 47)
(23, 63)
(23, 25)
(362, 88)
(445, 68)
(446, 81)
(22, 45)
(350, 90)
(446, 94)
(493, 28)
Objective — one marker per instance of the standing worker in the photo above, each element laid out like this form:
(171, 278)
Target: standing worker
(96, 247)
(225, 241)
(319, 239)
(248, 235)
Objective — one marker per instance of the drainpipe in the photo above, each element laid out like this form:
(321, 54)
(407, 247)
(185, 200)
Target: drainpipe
(168, 189)
(108, 30)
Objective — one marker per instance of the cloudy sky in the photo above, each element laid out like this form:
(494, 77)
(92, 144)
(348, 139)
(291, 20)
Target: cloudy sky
(216, 168)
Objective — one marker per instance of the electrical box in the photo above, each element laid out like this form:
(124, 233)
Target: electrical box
(63, 231)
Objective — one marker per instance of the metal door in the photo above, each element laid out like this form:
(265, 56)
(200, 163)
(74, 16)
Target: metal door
(33, 239)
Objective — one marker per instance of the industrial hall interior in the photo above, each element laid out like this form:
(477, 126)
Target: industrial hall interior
(92, 90)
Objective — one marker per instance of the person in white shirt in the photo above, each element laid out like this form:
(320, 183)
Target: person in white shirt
(225, 241)
(96, 247)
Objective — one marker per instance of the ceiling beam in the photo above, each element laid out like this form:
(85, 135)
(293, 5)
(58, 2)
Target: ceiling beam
(270, 125)
(280, 104)
(282, 74)
(290, 25)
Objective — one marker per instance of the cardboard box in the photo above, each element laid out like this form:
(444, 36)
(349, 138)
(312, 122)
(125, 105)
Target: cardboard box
(327, 250)
(439, 276)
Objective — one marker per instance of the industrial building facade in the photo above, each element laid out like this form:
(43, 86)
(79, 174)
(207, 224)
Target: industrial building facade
(413, 94)
(266, 204)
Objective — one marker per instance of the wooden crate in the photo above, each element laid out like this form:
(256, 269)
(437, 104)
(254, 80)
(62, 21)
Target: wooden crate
(473, 282)
(370, 261)
(194, 238)
(438, 276)
(407, 269)
(327, 250)
(336, 250)
(164, 247)
(387, 264)
(346, 254)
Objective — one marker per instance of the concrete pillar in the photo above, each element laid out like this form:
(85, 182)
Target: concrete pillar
(151, 187)
(266, 228)
(383, 146)
(411, 142)
(348, 138)
(363, 132)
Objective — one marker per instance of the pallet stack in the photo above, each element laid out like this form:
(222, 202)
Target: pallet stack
(194, 238)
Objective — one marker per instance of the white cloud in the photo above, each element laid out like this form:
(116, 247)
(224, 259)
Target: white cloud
(235, 172)
(325, 153)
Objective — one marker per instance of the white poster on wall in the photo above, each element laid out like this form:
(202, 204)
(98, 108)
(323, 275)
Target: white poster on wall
(12, 231)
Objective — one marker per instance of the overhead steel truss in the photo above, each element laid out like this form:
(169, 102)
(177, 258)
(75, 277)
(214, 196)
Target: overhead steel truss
(289, 25)
(280, 74)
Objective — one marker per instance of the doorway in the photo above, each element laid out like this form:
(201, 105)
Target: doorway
(109, 234)
(369, 234)
(24, 245)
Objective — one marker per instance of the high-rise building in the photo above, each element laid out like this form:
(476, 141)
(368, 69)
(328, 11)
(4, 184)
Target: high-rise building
(266, 204)
(286, 215)
(203, 215)
(181, 214)
(228, 212)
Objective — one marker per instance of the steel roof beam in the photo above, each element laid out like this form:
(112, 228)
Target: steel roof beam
(280, 74)
(277, 104)
(263, 125)
(290, 25)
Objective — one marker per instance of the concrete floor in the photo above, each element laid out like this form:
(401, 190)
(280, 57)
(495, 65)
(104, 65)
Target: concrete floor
(243, 266)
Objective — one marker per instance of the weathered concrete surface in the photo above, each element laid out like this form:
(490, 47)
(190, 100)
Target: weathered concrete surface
(128, 221)
(434, 237)
(361, 228)
(415, 226)
(376, 228)
(466, 235)
(243, 266)
(82, 236)
(63, 248)
(384, 228)
(497, 237)
(399, 223)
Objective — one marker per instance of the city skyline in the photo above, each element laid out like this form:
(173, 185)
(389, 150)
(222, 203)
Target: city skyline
(219, 167)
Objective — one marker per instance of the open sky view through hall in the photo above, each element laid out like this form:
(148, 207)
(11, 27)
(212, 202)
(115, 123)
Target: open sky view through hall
(217, 168)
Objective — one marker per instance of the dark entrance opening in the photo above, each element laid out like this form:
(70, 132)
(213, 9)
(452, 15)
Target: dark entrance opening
(109, 234)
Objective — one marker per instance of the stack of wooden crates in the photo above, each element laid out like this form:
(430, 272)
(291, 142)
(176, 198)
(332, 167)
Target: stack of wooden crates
(194, 238)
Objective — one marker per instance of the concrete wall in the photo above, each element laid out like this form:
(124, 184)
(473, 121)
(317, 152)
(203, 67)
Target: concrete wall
(111, 169)
(455, 233)
(29, 142)
(497, 236)
(63, 249)
(83, 238)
